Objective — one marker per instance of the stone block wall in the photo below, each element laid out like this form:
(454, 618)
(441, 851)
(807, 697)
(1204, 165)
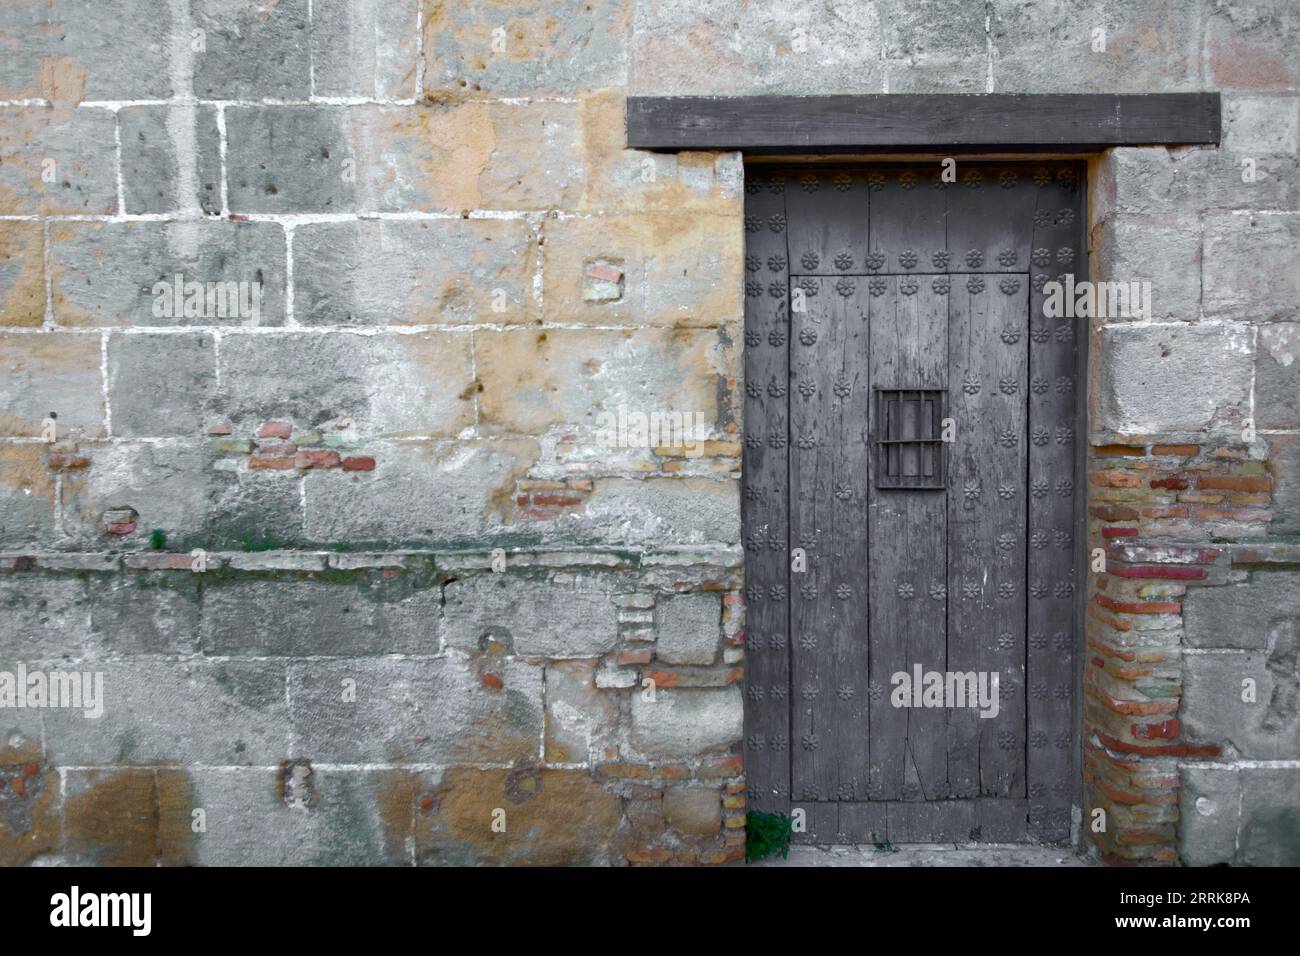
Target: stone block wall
(459, 269)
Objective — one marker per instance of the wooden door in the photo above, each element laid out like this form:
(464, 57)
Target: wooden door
(910, 499)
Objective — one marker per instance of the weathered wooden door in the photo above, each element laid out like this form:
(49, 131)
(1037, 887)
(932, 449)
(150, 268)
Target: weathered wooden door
(911, 423)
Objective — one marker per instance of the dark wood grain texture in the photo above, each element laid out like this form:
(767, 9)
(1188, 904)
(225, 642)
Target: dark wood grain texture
(1004, 121)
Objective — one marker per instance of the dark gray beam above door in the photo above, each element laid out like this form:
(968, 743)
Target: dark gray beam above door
(1046, 122)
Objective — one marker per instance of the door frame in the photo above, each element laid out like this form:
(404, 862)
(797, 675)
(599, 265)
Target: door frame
(817, 830)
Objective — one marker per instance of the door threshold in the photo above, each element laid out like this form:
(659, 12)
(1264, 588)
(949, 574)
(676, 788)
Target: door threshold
(932, 854)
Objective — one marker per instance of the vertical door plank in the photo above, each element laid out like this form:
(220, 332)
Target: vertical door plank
(829, 401)
(828, 221)
(765, 510)
(907, 220)
(908, 573)
(1053, 640)
(990, 218)
(988, 539)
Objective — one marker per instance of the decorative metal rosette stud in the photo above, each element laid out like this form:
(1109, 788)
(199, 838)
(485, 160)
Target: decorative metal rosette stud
(843, 182)
(970, 385)
(875, 180)
(1009, 285)
(1006, 490)
(1008, 385)
(843, 387)
(1040, 333)
(807, 388)
(1040, 436)
(1065, 254)
(875, 260)
(844, 262)
(941, 285)
(809, 183)
(1008, 438)
(776, 389)
(1009, 334)
(776, 184)
(938, 591)
(971, 491)
(776, 290)
(753, 289)
(844, 592)
(776, 338)
(752, 263)
(1064, 216)
(905, 590)
(1042, 176)
(1006, 541)
(1038, 384)
(940, 258)
(846, 287)
(776, 263)
(776, 222)
(753, 223)
(907, 179)
(907, 258)
(908, 285)
(974, 258)
(972, 179)
(975, 284)
(1007, 178)
(809, 286)
(810, 260)
(1065, 487)
(877, 286)
(807, 336)
(1041, 257)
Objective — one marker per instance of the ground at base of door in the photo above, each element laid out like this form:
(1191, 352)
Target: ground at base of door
(932, 854)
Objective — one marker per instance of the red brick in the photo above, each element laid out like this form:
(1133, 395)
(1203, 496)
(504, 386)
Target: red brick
(556, 501)
(1235, 482)
(274, 464)
(1115, 479)
(1177, 451)
(1113, 532)
(122, 527)
(1169, 572)
(1113, 513)
(62, 461)
(1138, 607)
(1165, 730)
(1119, 451)
(1173, 484)
(316, 459)
(1160, 750)
(643, 656)
(358, 463)
(275, 430)
(493, 681)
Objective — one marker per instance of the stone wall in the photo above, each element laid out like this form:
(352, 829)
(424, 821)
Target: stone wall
(459, 269)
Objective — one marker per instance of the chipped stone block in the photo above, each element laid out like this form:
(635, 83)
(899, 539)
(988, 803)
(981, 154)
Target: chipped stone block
(689, 628)
(568, 616)
(679, 723)
(441, 710)
(55, 164)
(455, 271)
(230, 713)
(125, 274)
(56, 373)
(22, 270)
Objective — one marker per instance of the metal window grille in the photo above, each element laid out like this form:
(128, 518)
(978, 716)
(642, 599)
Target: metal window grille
(909, 446)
